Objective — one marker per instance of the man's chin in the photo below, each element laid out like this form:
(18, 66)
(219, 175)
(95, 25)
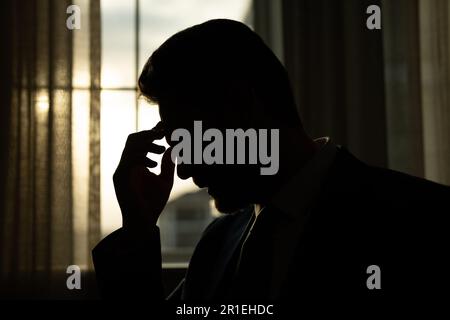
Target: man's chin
(228, 206)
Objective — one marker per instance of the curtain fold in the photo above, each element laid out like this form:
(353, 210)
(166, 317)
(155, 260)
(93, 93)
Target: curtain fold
(94, 229)
(37, 238)
(417, 53)
(336, 68)
(435, 87)
(401, 48)
(383, 93)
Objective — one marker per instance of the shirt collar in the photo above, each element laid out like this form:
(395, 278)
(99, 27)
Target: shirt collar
(299, 193)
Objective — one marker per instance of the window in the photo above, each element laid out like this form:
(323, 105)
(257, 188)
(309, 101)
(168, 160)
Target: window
(131, 31)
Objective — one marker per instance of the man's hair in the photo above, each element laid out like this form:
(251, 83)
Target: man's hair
(220, 62)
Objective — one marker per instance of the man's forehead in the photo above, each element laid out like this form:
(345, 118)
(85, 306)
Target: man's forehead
(212, 116)
(184, 118)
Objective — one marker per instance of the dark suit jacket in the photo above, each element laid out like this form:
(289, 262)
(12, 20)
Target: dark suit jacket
(364, 216)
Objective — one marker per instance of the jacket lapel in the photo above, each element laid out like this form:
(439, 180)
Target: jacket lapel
(204, 285)
(231, 244)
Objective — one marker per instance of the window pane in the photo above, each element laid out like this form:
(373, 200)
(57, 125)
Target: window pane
(118, 34)
(161, 19)
(80, 159)
(81, 65)
(118, 120)
(182, 223)
(189, 209)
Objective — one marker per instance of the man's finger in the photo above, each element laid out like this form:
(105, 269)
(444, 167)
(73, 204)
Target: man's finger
(149, 163)
(144, 137)
(167, 166)
(141, 151)
(151, 147)
(133, 160)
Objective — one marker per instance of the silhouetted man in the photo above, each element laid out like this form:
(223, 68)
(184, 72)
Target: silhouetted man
(325, 227)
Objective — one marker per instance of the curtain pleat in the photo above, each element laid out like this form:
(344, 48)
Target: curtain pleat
(336, 67)
(383, 93)
(401, 46)
(60, 171)
(435, 84)
(37, 237)
(94, 125)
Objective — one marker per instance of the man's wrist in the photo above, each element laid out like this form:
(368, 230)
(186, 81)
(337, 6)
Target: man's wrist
(136, 231)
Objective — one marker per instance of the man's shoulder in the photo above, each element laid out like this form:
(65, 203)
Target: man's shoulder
(395, 179)
(407, 190)
(383, 183)
(371, 200)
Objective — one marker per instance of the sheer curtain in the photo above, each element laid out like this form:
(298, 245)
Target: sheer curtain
(435, 85)
(417, 53)
(336, 68)
(382, 93)
(41, 227)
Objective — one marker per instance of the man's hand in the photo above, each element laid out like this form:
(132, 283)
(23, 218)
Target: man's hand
(142, 195)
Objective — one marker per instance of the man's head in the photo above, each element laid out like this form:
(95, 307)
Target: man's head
(222, 73)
